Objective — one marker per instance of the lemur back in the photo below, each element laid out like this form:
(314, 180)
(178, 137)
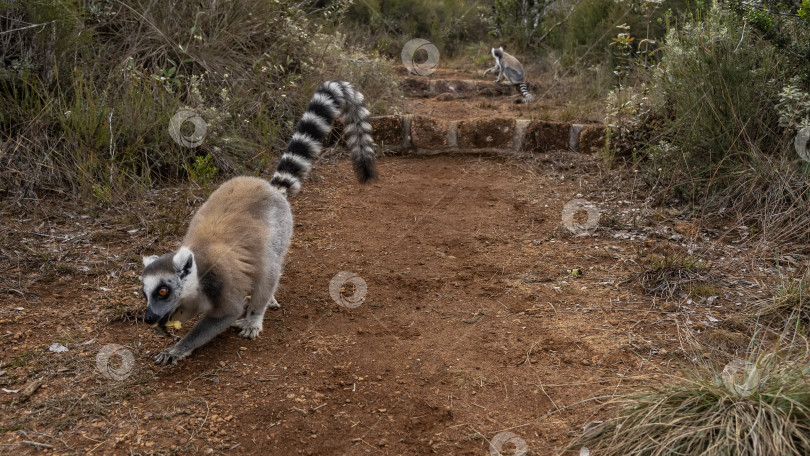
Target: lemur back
(230, 260)
(509, 67)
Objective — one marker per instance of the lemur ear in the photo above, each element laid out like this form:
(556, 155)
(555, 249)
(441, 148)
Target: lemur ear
(183, 261)
(147, 260)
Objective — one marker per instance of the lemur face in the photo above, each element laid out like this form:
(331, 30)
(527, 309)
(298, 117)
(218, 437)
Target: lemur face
(165, 280)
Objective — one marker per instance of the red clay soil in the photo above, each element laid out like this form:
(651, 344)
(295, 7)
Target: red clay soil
(472, 324)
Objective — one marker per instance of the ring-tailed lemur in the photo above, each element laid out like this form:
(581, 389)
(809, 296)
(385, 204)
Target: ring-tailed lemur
(508, 66)
(229, 263)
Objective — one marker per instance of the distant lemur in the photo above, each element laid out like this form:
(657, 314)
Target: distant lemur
(230, 261)
(510, 67)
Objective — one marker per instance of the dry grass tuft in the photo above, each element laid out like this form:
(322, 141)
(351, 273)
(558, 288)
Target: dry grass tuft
(466, 380)
(789, 301)
(758, 406)
(664, 275)
(723, 340)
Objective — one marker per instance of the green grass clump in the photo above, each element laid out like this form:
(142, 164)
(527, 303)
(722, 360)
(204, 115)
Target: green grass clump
(755, 407)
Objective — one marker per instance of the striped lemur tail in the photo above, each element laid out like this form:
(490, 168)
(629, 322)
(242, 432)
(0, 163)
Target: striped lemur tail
(331, 99)
(527, 97)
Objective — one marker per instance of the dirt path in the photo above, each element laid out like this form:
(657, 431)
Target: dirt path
(472, 324)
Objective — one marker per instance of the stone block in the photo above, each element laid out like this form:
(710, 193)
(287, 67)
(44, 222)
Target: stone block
(592, 139)
(462, 88)
(386, 130)
(544, 136)
(482, 133)
(428, 132)
(415, 87)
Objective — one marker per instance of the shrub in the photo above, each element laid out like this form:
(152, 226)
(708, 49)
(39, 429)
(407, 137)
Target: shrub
(784, 23)
(90, 115)
(727, 110)
(388, 25)
(720, 88)
(752, 407)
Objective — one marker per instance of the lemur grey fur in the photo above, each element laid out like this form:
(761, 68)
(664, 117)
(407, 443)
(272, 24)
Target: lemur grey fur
(230, 261)
(509, 67)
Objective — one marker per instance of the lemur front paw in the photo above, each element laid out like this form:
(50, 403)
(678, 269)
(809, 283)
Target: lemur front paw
(273, 304)
(169, 356)
(249, 330)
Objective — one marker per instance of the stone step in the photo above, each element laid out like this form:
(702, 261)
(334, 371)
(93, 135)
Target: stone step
(422, 88)
(499, 135)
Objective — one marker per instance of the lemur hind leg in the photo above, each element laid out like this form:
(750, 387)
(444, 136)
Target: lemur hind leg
(263, 296)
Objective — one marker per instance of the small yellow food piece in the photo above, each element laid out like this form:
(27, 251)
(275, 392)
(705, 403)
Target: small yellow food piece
(174, 324)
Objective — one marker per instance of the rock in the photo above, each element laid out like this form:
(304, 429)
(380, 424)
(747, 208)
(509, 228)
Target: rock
(490, 89)
(446, 97)
(428, 132)
(417, 87)
(482, 133)
(592, 139)
(544, 136)
(454, 87)
(386, 130)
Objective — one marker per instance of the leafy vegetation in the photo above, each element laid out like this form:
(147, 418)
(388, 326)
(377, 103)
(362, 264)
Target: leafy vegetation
(449, 24)
(88, 89)
(713, 121)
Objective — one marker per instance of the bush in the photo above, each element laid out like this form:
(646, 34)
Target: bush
(387, 25)
(90, 115)
(784, 23)
(759, 406)
(581, 31)
(718, 122)
(720, 89)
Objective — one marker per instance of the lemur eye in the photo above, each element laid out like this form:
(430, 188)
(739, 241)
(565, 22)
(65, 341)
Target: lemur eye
(163, 292)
